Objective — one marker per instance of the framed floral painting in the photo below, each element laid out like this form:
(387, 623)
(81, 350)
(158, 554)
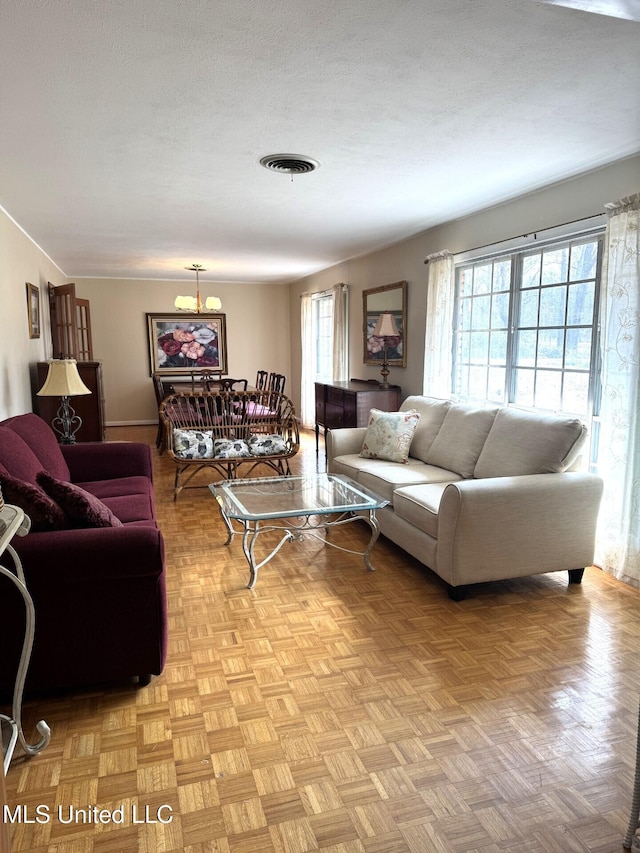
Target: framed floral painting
(182, 343)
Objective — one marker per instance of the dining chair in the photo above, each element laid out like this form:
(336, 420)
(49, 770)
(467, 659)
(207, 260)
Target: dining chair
(233, 384)
(261, 380)
(276, 383)
(161, 389)
(264, 404)
(211, 380)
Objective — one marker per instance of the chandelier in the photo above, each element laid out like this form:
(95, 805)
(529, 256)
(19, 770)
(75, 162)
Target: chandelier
(194, 304)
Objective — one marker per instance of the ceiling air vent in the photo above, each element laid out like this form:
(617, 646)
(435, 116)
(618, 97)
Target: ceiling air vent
(289, 164)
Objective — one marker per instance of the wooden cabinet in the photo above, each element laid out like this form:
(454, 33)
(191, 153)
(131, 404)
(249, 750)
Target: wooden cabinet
(90, 407)
(347, 404)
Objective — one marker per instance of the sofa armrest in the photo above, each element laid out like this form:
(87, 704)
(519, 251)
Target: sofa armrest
(507, 527)
(340, 442)
(92, 555)
(109, 460)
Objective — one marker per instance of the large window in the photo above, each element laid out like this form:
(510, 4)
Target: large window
(525, 327)
(322, 323)
(324, 337)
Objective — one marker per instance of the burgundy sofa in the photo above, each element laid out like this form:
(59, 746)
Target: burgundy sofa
(99, 592)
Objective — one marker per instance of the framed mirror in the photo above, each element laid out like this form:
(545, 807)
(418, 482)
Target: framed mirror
(393, 298)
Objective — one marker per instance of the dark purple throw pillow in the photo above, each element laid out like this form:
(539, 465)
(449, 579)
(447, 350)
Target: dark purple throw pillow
(81, 508)
(45, 514)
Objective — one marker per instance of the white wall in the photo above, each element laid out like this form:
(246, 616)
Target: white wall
(257, 320)
(21, 261)
(263, 320)
(580, 197)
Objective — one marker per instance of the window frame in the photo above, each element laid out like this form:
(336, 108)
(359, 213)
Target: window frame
(515, 256)
(323, 298)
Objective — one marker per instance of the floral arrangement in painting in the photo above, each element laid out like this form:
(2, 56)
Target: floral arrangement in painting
(189, 344)
(186, 344)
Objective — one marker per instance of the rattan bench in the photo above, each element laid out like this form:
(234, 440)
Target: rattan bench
(229, 432)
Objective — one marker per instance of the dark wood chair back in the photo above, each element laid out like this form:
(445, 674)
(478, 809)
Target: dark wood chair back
(261, 380)
(276, 383)
(161, 389)
(233, 384)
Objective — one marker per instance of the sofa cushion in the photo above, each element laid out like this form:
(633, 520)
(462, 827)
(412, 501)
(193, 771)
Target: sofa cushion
(17, 457)
(419, 505)
(42, 440)
(131, 499)
(522, 442)
(389, 435)
(131, 508)
(388, 477)
(43, 511)
(461, 439)
(120, 487)
(432, 413)
(80, 507)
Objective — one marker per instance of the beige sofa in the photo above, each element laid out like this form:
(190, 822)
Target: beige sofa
(487, 493)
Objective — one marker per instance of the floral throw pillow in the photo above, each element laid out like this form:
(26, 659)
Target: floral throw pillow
(81, 508)
(225, 448)
(267, 445)
(193, 443)
(43, 511)
(389, 435)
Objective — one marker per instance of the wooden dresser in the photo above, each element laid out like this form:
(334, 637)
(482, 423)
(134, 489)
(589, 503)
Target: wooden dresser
(89, 407)
(347, 404)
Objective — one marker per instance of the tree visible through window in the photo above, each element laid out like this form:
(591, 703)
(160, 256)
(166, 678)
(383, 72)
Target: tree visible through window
(525, 328)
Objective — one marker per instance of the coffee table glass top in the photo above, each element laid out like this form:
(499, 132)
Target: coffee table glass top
(281, 497)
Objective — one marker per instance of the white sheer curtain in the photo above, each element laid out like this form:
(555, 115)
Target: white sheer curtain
(439, 325)
(618, 539)
(339, 352)
(340, 332)
(308, 371)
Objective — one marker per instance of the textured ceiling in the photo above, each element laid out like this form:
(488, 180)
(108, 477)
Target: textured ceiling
(132, 130)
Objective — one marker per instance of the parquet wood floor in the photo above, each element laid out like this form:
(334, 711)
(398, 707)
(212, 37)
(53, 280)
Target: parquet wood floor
(343, 711)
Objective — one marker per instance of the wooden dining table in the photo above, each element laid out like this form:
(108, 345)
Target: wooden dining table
(188, 387)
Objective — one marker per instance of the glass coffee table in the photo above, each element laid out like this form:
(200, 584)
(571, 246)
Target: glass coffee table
(297, 506)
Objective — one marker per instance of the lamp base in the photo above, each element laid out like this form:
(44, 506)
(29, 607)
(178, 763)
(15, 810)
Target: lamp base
(66, 423)
(385, 368)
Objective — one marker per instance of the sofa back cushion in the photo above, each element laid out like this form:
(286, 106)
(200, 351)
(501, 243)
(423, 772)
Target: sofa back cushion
(432, 412)
(461, 439)
(522, 442)
(42, 441)
(16, 456)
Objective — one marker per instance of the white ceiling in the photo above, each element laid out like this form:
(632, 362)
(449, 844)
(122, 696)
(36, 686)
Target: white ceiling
(131, 130)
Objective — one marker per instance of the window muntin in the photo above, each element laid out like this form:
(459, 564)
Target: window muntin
(525, 327)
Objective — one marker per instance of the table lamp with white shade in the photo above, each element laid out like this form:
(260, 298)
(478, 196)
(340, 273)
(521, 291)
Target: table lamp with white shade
(385, 328)
(63, 380)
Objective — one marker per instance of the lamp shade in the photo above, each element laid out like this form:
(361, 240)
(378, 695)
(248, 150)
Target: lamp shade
(63, 380)
(185, 303)
(386, 326)
(213, 303)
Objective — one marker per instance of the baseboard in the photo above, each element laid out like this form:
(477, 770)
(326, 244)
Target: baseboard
(130, 423)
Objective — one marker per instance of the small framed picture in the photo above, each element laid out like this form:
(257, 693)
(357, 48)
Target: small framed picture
(182, 343)
(33, 309)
